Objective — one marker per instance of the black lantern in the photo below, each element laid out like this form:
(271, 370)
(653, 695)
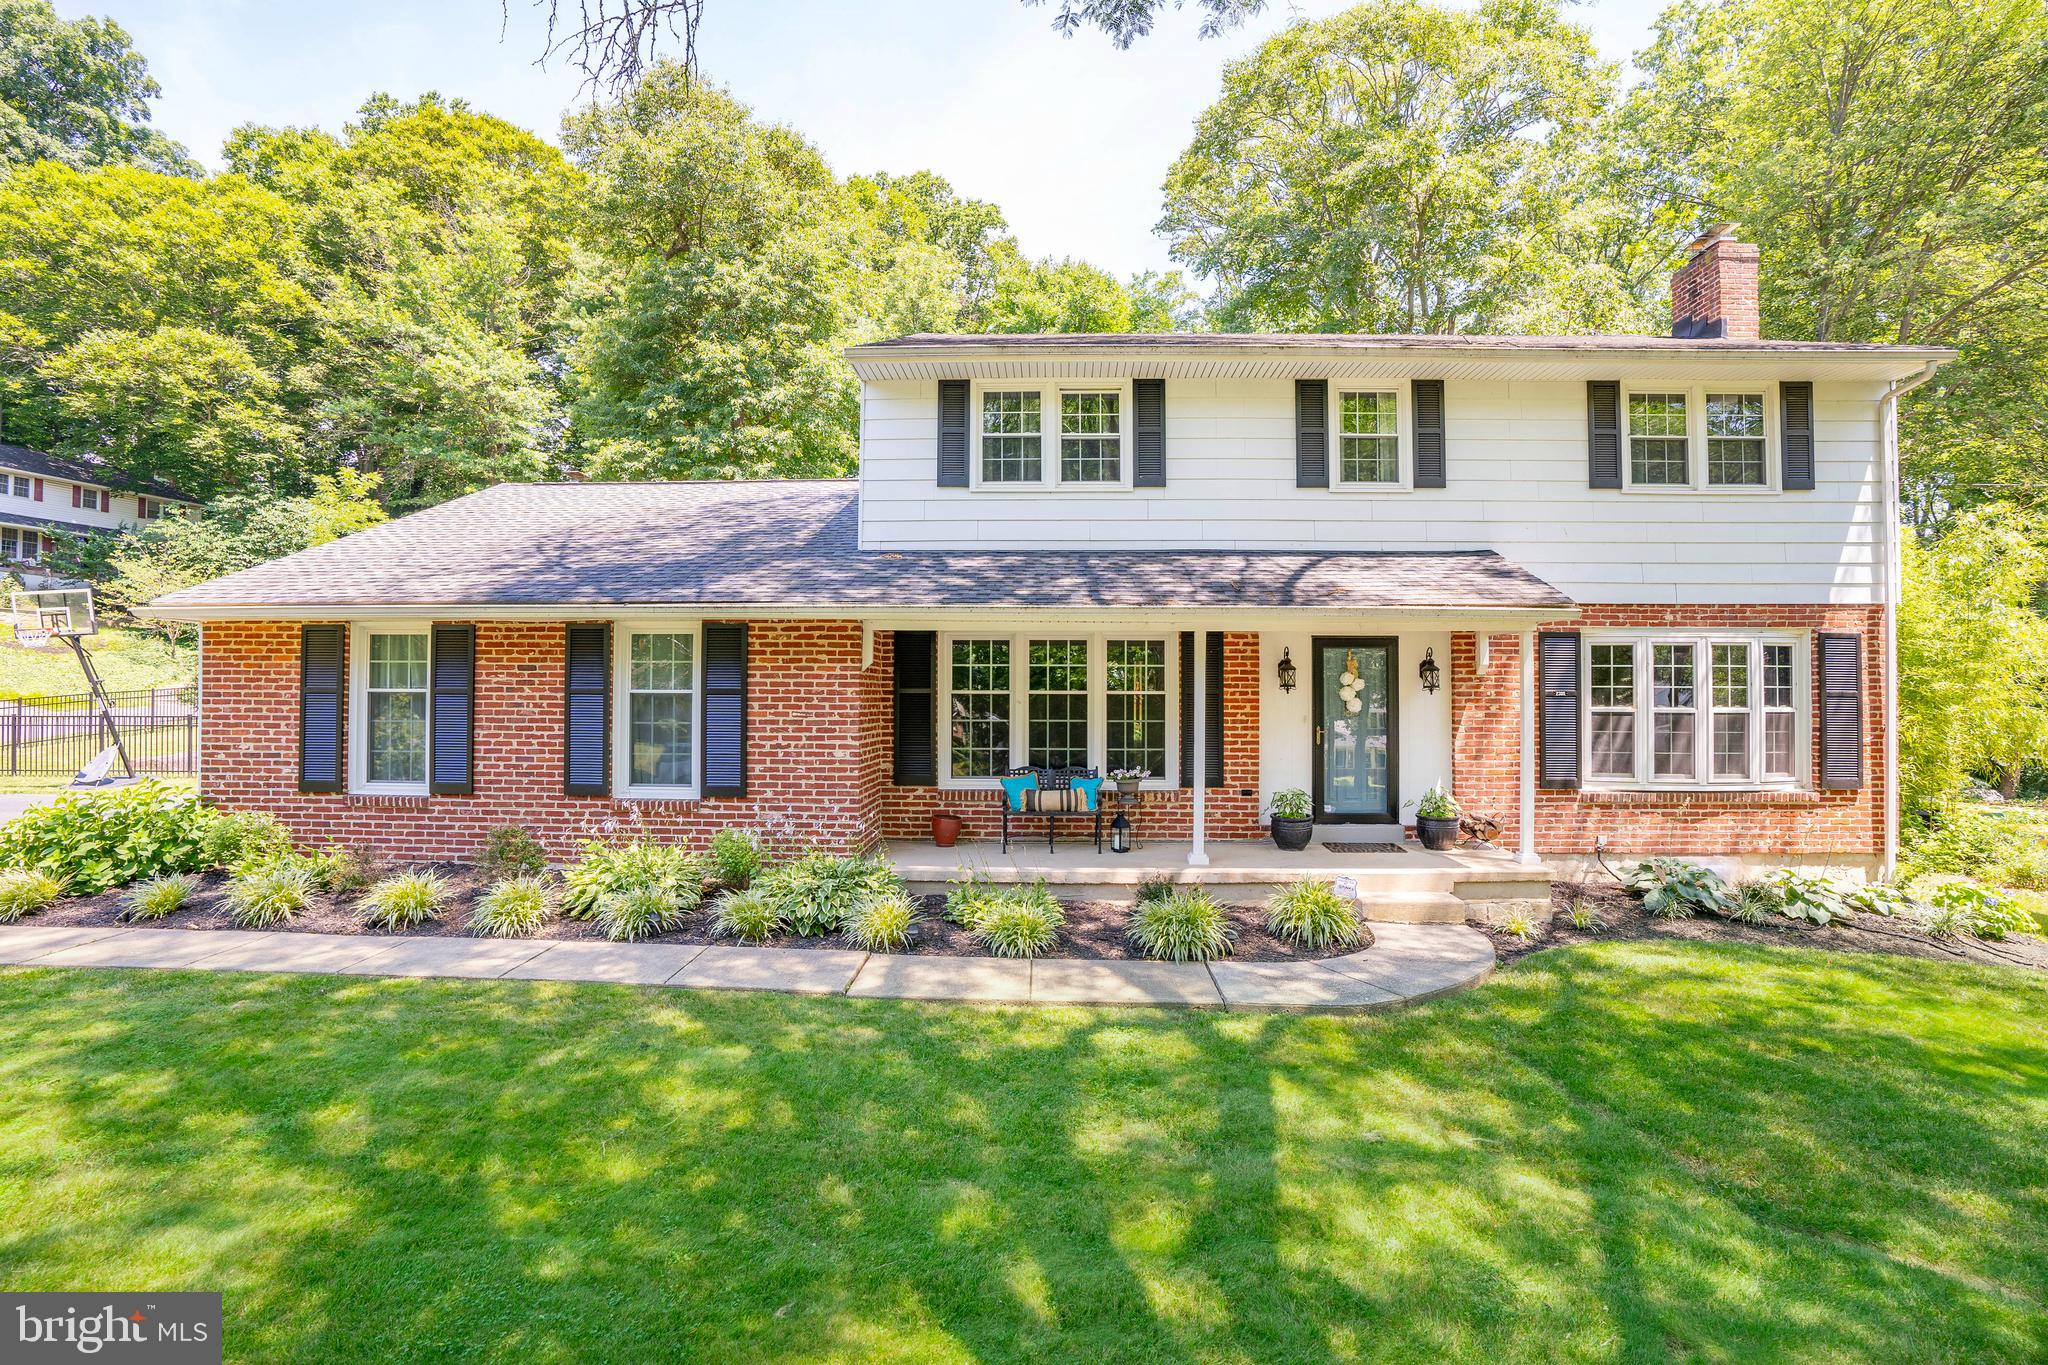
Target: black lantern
(1432, 676)
(1120, 834)
(1286, 670)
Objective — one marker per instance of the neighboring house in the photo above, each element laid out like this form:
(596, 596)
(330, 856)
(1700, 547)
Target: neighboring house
(1637, 588)
(43, 495)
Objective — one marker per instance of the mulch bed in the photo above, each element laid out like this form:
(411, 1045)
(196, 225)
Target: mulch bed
(1859, 933)
(1094, 929)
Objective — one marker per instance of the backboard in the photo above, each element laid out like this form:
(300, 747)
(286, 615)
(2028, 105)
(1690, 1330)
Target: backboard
(40, 616)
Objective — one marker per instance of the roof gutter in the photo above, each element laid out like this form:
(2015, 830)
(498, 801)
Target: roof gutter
(882, 615)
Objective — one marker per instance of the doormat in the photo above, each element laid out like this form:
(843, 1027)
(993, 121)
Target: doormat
(1374, 846)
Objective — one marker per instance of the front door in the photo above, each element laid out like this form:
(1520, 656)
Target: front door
(1354, 743)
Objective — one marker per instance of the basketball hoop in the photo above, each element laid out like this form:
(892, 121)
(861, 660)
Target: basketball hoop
(31, 638)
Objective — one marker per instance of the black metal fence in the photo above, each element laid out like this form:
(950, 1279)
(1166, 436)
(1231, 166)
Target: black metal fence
(159, 725)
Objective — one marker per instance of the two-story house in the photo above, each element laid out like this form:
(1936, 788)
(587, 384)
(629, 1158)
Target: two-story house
(1620, 588)
(43, 496)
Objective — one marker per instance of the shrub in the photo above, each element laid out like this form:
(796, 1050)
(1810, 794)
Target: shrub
(108, 838)
(1154, 889)
(640, 911)
(405, 900)
(749, 916)
(1312, 914)
(886, 924)
(513, 908)
(233, 840)
(1019, 925)
(347, 871)
(966, 901)
(511, 851)
(1963, 844)
(25, 890)
(607, 870)
(736, 857)
(1671, 888)
(817, 893)
(1959, 908)
(272, 893)
(2024, 865)
(1187, 926)
(160, 896)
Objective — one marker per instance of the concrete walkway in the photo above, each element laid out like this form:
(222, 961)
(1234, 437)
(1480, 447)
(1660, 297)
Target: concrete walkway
(1407, 963)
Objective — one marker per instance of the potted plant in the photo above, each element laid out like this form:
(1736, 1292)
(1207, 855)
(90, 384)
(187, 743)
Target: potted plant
(1128, 780)
(945, 828)
(1436, 820)
(1294, 821)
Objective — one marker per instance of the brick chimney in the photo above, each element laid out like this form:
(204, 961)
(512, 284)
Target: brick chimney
(1714, 292)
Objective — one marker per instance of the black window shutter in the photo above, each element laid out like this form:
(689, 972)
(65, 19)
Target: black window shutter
(452, 700)
(1311, 433)
(320, 708)
(1603, 433)
(586, 726)
(1557, 711)
(1428, 397)
(725, 708)
(1212, 708)
(1148, 433)
(1795, 403)
(1841, 712)
(952, 433)
(916, 761)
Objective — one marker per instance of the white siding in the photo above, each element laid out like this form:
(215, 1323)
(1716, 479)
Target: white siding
(1516, 454)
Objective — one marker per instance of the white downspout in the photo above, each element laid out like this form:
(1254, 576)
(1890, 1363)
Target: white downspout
(1198, 853)
(1525, 841)
(1894, 589)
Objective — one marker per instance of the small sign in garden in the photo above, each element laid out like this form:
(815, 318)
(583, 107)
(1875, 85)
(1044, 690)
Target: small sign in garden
(1346, 887)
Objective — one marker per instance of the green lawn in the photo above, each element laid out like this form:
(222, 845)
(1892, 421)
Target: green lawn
(1635, 1151)
(126, 659)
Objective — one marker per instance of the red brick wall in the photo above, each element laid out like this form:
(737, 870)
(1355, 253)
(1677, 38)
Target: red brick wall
(810, 764)
(1486, 751)
(905, 812)
(1720, 283)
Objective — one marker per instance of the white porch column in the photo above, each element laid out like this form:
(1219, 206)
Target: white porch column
(1198, 853)
(1525, 837)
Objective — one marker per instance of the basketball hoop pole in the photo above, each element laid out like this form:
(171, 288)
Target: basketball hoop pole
(101, 700)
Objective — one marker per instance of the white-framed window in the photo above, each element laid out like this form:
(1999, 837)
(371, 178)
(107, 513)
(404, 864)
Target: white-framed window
(1683, 709)
(1040, 435)
(21, 485)
(1706, 438)
(1056, 698)
(654, 722)
(1369, 436)
(388, 744)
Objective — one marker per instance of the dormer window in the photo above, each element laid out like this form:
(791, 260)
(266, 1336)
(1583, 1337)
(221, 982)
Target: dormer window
(1042, 436)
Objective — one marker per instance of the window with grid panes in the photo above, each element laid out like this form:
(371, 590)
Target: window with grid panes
(1368, 438)
(1657, 439)
(1135, 687)
(1056, 686)
(1091, 437)
(1011, 437)
(978, 708)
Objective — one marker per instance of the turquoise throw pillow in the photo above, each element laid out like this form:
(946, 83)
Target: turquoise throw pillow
(1015, 787)
(1089, 787)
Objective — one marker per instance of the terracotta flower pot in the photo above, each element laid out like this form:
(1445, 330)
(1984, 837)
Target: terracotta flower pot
(945, 828)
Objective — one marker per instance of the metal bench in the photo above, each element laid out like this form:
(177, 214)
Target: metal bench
(1052, 780)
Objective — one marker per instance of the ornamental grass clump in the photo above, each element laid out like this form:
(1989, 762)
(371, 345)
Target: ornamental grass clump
(1187, 926)
(270, 894)
(1020, 924)
(159, 897)
(736, 857)
(1312, 914)
(643, 911)
(819, 893)
(885, 924)
(966, 901)
(513, 908)
(749, 916)
(405, 901)
(607, 870)
(25, 890)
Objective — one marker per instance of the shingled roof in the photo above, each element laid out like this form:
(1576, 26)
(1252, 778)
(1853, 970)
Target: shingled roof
(31, 461)
(784, 544)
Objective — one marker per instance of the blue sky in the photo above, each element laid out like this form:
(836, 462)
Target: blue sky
(1071, 137)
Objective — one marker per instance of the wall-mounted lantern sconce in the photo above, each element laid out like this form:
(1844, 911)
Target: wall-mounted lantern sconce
(1286, 670)
(1432, 676)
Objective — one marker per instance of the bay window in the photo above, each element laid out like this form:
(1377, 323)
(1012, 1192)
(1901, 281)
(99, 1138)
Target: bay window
(1061, 700)
(1039, 435)
(1713, 438)
(1667, 709)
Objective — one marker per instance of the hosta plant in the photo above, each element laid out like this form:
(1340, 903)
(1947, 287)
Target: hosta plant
(1187, 926)
(1312, 914)
(640, 912)
(1804, 896)
(271, 894)
(606, 870)
(750, 916)
(159, 897)
(25, 890)
(1959, 909)
(818, 892)
(1877, 898)
(885, 924)
(1671, 888)
(405, 901)
(513, 908)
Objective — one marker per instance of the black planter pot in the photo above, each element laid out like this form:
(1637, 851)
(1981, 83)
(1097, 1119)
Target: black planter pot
(1439, 834)
(1293, 835)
